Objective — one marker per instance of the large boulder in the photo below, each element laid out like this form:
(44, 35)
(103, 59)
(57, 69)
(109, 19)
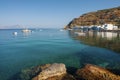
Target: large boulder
(93, 72)
(51, 71)
(55, 71)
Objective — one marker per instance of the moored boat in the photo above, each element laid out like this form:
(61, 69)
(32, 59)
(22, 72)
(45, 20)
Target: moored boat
(26, 30)
(15, 33)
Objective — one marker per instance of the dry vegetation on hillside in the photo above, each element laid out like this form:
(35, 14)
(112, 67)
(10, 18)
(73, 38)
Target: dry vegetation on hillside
(97, 18)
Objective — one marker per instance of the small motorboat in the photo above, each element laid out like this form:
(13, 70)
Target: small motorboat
(80, 33)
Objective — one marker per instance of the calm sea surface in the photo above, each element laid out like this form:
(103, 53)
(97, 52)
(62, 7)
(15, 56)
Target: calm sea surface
(21, 51)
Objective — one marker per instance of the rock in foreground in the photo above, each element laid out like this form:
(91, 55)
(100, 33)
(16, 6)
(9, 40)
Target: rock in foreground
(52, 72)
(57, 71)
(92, 72)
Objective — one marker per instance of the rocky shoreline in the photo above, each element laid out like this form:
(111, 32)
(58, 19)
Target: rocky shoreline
(58, 71)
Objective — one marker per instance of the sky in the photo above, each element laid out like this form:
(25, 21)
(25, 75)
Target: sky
(47, 13)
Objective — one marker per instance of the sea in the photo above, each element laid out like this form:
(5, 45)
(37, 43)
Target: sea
(42, 46)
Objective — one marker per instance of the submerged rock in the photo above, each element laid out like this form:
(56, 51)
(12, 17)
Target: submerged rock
(55, 71)
(51, 71)
(27, 74)
(60, 77)
(92, 72)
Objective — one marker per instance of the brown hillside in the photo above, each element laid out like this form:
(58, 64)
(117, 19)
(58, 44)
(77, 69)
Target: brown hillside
(97, 18)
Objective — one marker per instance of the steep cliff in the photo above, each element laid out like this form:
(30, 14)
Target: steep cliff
(99, 17)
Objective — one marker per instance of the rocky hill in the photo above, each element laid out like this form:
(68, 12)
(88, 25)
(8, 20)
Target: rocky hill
(99, 17)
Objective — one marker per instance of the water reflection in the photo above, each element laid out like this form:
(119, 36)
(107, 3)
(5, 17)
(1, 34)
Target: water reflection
(110, 40)
(26, 34)
(95, 55)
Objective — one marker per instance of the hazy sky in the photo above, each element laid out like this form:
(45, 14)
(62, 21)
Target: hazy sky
(47, 13)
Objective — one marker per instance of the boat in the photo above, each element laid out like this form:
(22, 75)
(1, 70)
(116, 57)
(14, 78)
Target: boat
(15, 33)
(80, 33)
(26, 30)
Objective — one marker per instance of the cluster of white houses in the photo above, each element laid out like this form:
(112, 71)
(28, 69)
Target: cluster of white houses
(109, 27)
(100, 27)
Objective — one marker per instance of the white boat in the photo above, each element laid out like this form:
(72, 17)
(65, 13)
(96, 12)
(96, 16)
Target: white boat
(26, 30)
(70, 29)
(15, 33)
(80, 33)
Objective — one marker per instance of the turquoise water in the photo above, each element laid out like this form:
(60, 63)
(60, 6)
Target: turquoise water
(48, 46)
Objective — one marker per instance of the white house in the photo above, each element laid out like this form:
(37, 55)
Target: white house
(109, 27)
(115, 27)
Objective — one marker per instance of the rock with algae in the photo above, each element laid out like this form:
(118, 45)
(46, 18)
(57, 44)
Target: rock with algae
(93, 72)
(53, 72)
